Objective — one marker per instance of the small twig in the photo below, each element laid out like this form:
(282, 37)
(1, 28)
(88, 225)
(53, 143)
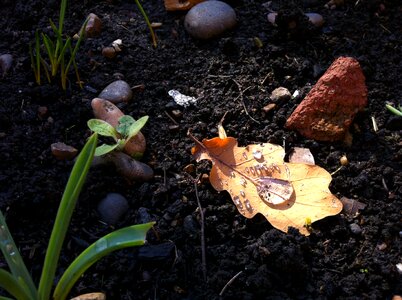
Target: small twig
(164, 177)
(170, 117)
(203, 256)
(265, 78)
(229, 283)
(375, 127)
(218, 76)
(241, 96)
(384, 184)
(385, 28)
(336, 171)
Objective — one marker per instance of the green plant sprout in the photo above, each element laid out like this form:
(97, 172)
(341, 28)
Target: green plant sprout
(125, 130)
(56, 51)
(19, 283)
(395, 111)
(151, 30)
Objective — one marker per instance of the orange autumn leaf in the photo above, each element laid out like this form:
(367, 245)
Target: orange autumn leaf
(259, 181)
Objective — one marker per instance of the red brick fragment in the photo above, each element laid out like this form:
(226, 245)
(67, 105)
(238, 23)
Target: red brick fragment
(329, 108)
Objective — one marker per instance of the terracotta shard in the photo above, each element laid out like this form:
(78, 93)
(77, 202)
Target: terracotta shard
(329, 108)
(172, 5)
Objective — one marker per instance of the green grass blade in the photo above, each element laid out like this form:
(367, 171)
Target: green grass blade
(33, 65)
(144, 14)
(126, 237)
(49, 46)
(59, 38)
(14, 259)
(64, 213)
(11, 285)
(63, 7)
(77, 74)
(393, 110)
(63, 50)
(46, 69)
(64, 68)
(35, 59)
(38, 56)
(74, 53)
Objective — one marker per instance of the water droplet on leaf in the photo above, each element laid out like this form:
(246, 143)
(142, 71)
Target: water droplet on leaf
(101, 245)
(257, 154)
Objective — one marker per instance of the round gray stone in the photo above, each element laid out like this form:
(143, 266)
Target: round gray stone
(280, 94)
(355, 229)
(209, 19)
(112, 208)
(116, 92)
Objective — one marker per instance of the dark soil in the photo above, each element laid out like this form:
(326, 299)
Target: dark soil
(332, 263)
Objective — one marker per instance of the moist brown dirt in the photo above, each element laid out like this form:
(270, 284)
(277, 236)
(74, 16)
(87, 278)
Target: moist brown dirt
(332, 263)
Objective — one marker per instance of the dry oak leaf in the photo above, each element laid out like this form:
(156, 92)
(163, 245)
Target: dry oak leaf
(259, 181)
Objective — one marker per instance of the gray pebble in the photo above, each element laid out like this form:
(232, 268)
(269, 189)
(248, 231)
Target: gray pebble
(210, 19)
(6, 61)
(190, 225)
(143, 216)
(280, 94)
(315, 18)
(356, 229)
(112, 208)
(116, 92)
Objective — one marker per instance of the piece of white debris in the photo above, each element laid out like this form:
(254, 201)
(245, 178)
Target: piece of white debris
(296, 94)
(181, 99)
(399, 268)
(117, 45)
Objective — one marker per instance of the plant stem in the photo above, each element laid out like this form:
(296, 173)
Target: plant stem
(394, 110)
(154, 43)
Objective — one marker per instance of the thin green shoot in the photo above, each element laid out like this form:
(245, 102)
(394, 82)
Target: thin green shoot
(151, 30)
(395, 111)
(57, 51)
(36, 59)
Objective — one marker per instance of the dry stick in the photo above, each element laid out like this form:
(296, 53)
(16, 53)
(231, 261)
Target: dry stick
(203, 256)
(241, 94)
(229, 283)
(171, 118)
